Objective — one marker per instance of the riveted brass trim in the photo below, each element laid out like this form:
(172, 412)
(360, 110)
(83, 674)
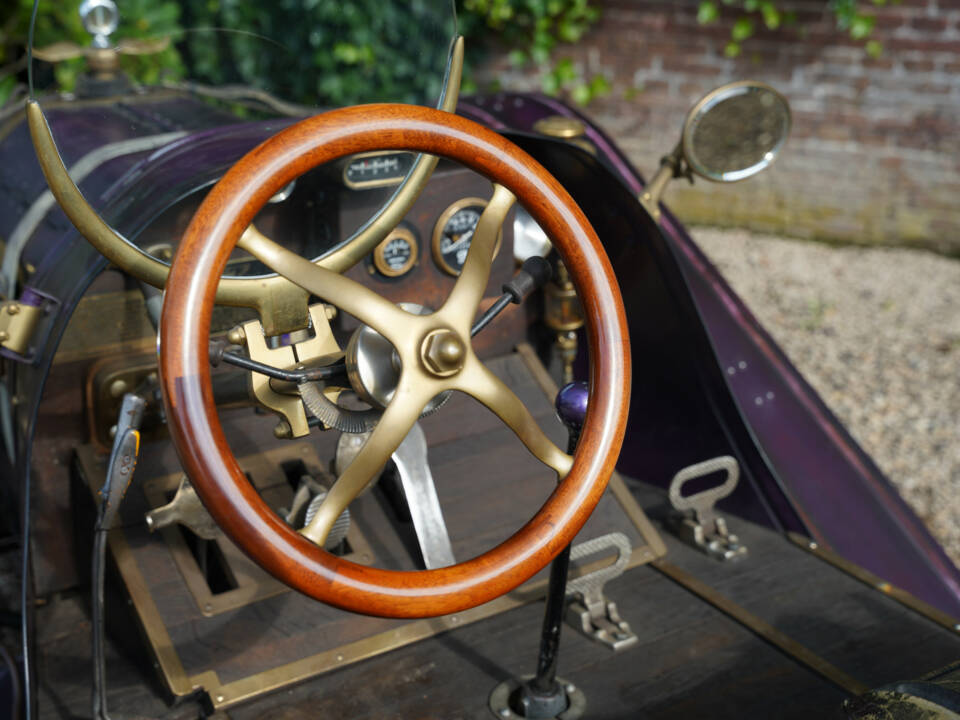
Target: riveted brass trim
(780, 640)
(18, 322)
(282, 307)
(868, 578)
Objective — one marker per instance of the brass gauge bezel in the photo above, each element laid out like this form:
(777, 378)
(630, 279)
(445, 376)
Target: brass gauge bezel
(380, 259)
(442, 221)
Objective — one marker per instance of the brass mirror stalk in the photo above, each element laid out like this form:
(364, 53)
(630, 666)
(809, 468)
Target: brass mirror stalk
(670, 168)
(281, 305)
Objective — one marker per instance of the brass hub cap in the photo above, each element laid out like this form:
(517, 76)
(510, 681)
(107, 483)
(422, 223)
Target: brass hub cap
(442, 352)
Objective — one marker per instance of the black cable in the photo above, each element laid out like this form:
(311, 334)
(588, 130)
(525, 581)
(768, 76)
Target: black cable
(26, 606)
(33, 24)
(219, 353)
(14, 683)
(25, 609)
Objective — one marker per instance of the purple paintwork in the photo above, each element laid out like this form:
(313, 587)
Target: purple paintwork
(843, 499)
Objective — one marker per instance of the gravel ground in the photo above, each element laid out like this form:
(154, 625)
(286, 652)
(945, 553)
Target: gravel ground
(877, 333)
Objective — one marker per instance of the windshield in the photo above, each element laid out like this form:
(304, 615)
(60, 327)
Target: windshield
(149, 102)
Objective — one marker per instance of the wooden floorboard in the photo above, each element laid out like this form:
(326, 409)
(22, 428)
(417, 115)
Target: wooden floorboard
(692, 660)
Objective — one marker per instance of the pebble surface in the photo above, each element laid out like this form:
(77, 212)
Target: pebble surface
(876, 331)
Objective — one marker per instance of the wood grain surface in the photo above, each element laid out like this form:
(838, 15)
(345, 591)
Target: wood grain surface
(185, 371)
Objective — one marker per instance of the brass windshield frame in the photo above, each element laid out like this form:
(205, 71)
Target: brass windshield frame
(281, 305)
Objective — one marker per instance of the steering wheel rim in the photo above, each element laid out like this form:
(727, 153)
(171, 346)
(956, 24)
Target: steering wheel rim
(185, 372)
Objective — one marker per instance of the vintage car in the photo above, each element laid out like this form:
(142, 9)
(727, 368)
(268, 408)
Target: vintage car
(400, 410)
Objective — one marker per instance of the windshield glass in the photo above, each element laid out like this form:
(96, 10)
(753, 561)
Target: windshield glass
(150, 101)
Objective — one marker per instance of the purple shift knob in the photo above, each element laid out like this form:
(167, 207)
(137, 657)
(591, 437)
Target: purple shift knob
(572, 404)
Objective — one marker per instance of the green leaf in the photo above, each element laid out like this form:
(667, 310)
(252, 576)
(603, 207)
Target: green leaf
(742, 29)
(771, 15)
(599, 86)
(874, 48)
(581, 94)
(518, 58)
(564, 70)
(708, 12)
(732, 49)
(862, 26)
(550, 84)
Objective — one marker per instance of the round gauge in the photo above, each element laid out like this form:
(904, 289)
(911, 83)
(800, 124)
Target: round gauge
(453, 232)
(397, 254)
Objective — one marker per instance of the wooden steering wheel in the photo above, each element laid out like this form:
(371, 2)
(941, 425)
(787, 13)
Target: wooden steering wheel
(434, 350)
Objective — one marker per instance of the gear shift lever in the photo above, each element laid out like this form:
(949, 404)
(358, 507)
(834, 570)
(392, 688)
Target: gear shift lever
(544, 696)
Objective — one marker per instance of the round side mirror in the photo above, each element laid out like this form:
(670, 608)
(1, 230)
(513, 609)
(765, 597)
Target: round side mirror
(735, 131)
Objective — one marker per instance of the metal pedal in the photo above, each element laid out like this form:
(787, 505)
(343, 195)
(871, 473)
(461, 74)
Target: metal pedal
(590, 612)
(695, 519)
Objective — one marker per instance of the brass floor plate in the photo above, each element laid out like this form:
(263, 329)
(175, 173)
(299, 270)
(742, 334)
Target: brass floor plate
(257, 636)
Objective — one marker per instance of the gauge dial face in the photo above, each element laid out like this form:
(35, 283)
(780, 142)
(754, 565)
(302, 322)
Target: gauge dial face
(397, 254)
(454, 231)
(368, 170)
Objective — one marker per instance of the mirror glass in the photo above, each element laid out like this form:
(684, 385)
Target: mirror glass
(736, 131)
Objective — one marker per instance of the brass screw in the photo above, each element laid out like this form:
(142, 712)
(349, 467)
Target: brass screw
(237, 336)
(13, 309)
(4, 336)
(118, 387)
(442, 352)
(283, 431)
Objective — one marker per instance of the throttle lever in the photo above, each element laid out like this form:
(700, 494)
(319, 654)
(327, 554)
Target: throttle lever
(533, 274)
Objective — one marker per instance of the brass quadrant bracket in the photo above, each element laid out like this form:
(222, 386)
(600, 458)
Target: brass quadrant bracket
(288, 405)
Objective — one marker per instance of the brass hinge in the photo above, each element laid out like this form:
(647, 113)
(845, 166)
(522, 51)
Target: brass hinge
(18, 322)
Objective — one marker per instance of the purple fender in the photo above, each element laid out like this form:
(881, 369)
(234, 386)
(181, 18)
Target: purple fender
(810, 474)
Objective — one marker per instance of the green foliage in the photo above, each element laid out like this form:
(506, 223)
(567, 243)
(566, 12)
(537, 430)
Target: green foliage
(60, 22)
(848, 13)
(532, 29)
(325, 52)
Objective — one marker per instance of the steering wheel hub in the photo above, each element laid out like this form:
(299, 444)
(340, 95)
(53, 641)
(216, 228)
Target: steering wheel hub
(442, 352)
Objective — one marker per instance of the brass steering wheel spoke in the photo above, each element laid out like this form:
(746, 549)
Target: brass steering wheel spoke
(403, 411)
(352, 297)
(461, 306)
(480, 383)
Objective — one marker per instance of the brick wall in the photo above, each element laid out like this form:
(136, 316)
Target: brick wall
(875, 152)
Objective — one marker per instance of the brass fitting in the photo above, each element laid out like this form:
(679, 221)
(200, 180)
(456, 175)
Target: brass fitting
(442, 352)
